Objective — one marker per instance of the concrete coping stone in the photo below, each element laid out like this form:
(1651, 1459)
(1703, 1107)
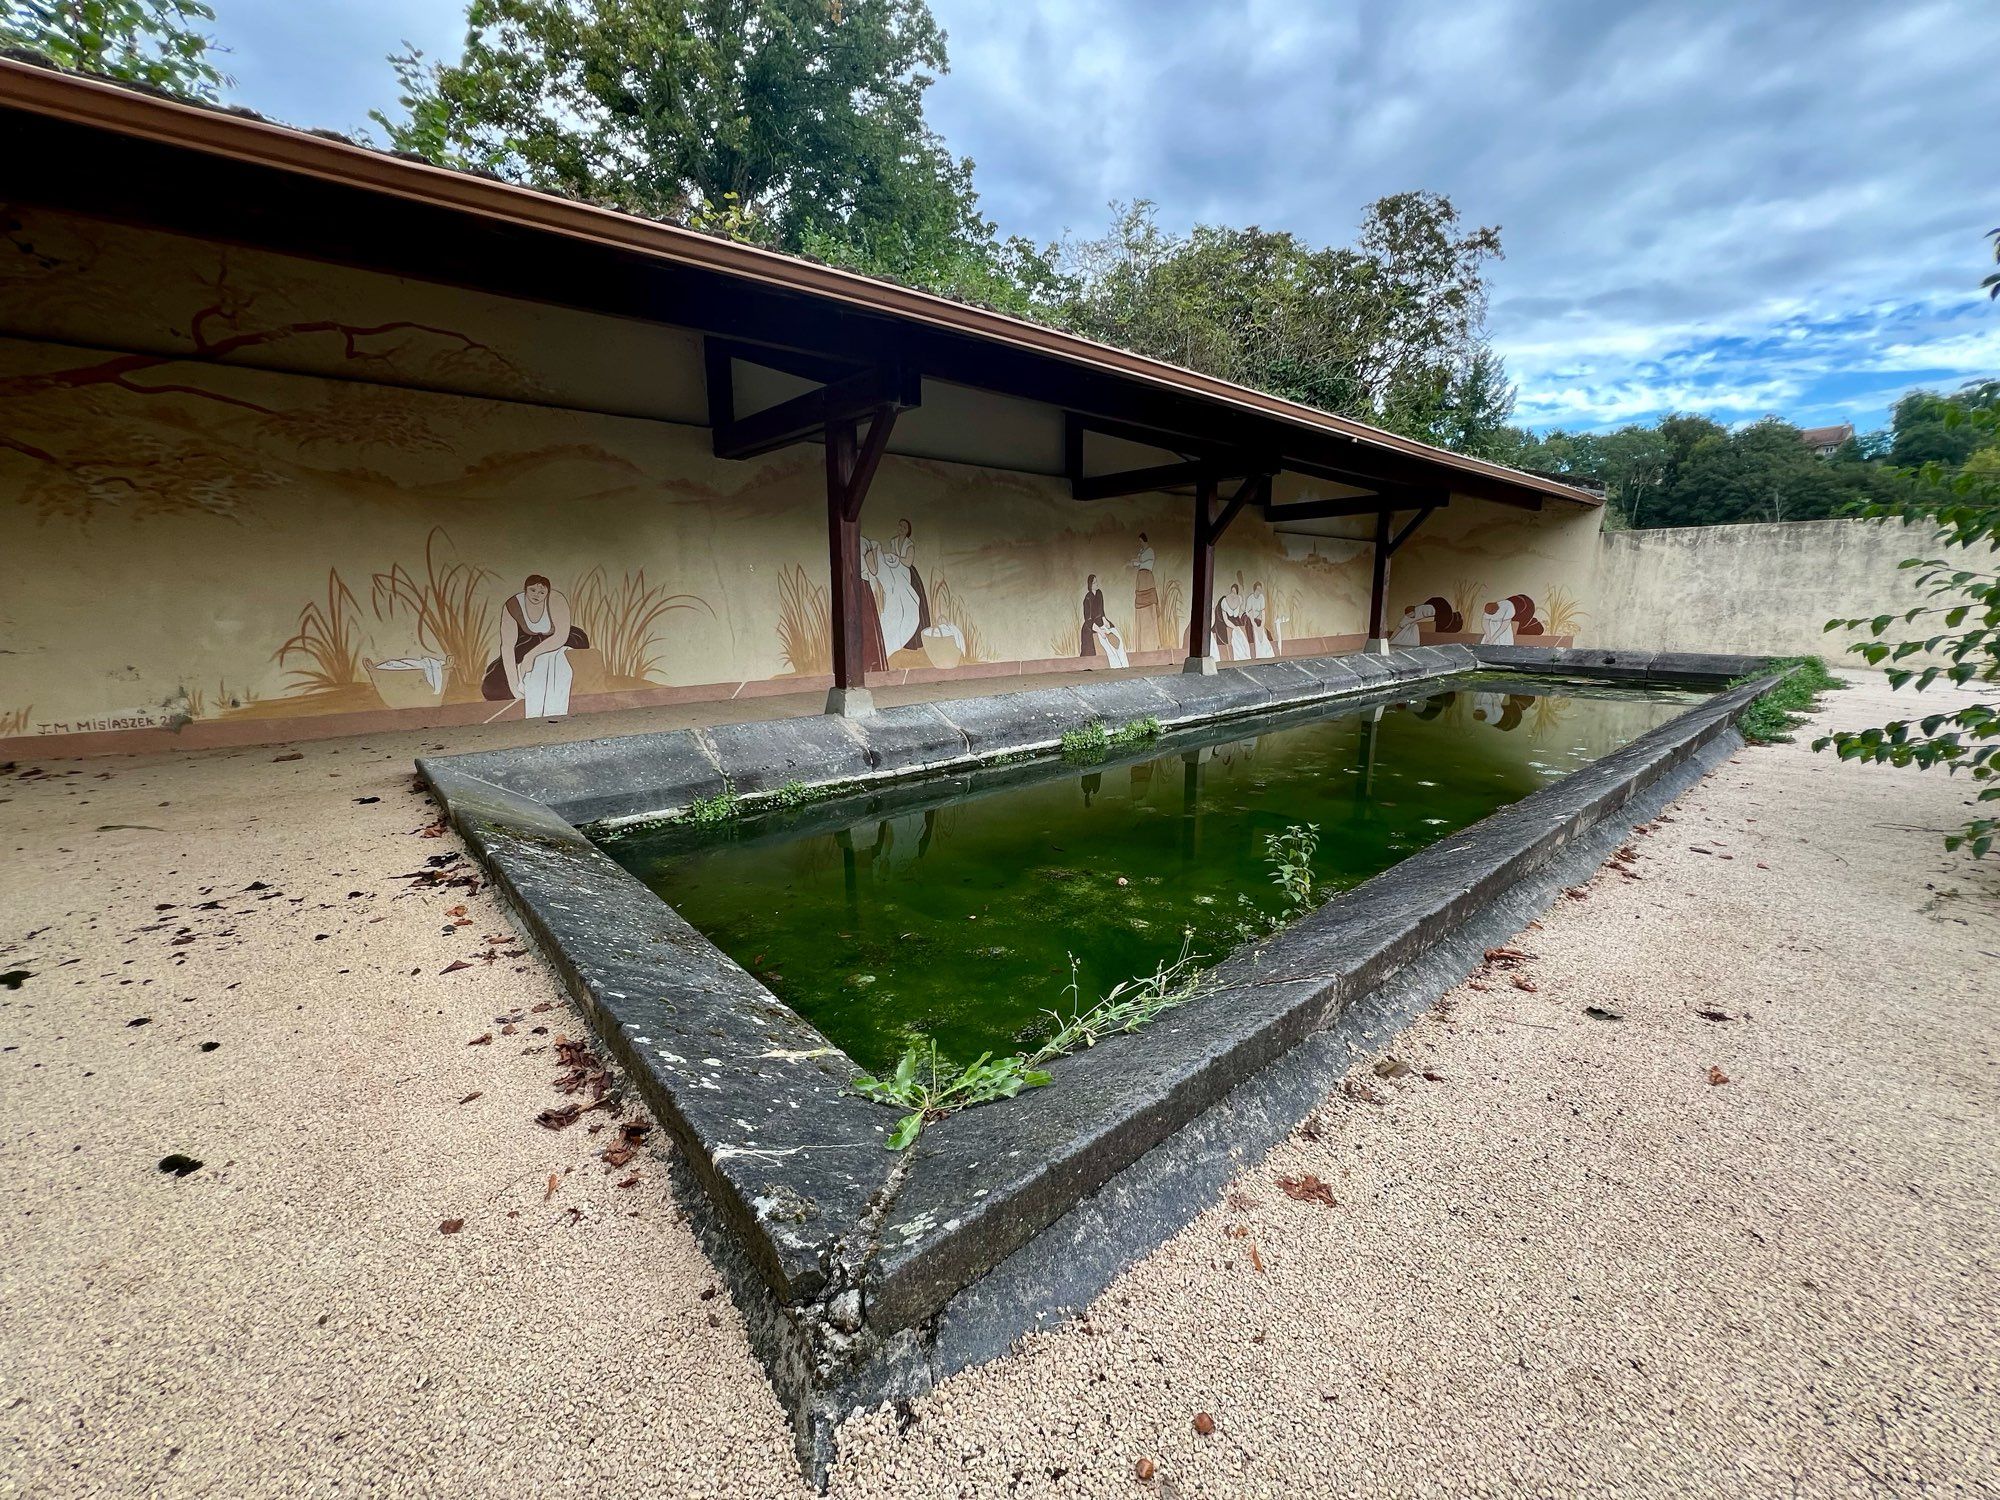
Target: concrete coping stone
(856, 1248)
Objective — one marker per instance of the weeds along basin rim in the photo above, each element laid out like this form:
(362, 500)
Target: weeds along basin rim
(857, 1245)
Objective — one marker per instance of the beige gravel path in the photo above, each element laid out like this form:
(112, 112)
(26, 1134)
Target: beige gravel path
(1571, 1265)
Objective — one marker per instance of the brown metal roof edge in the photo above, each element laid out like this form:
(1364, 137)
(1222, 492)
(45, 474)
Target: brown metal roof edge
(108, 105)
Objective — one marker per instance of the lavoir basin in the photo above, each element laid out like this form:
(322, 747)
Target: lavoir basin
(970, 909)
(753, 915)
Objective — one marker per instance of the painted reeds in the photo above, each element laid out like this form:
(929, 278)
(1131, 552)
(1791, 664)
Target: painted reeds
(623, 621)
(326, 641)
(804, 634)
(451, 619)
(1560, 613)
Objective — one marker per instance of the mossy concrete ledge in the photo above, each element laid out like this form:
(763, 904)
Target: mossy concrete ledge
(865, 1274)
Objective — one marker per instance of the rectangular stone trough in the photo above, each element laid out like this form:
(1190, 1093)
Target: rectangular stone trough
(866, 1274)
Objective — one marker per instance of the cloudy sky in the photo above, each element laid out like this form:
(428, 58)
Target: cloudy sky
(1729, 206)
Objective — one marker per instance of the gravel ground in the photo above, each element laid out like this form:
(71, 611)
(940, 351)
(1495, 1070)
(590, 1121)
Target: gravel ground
(1559, 1258)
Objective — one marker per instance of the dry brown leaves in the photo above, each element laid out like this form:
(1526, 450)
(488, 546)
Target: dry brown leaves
(451, 1226)
(631, 1136)
(1307, 1188)
(1716, 1075)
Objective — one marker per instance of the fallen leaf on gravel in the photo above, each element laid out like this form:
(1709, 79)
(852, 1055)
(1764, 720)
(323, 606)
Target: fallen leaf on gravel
(455, 911)
(554, 1183)
(295, 755)
(178, 1164)
(471, 1096)
(1240, 1201)
(1507, 956)
(1392, 1067)
(1307, 1189)
(1523, 982)
(1577, 893)
(1716, 1075)
(1356, 1088)
(481, 1040)
(451, 1226)
(632, 1181)
(1715, 1015)
(537, 1009)
(454, 966)
(1256, 1260)
(1204, 1423)
(1433, 1077)
(364, 801)
(560, 1117)
(1143, 1470)
(630, 1135)
(1604, 1013)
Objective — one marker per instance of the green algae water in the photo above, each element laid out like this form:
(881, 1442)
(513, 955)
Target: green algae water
(954, 905)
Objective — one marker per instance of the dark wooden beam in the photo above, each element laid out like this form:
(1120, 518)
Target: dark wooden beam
(1327, 510)
(1072, 446)
(869, 459)
(719, 375)
(1141, 481)
(817, 368)
(808, 415)
(1415, 521)
(1255, 484)
(1182, 443)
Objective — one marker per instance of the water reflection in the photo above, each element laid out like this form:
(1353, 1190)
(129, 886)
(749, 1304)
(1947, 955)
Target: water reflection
(955, 907)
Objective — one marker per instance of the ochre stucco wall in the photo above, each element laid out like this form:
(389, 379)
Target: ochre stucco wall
(232, 484)
(1766, 588)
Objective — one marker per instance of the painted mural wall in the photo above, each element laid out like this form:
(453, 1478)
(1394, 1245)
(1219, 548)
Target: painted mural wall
(371, 503)
(1480, 572)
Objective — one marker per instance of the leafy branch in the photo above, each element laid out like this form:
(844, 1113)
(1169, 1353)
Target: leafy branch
(1963, 634)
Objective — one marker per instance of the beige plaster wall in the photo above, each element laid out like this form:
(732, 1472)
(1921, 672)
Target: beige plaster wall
(232, 485)
(1760, 588)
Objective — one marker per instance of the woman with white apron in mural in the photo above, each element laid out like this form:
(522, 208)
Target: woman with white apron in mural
(1260, 638)
(902, 605)
(535, 641)
(1237, 617)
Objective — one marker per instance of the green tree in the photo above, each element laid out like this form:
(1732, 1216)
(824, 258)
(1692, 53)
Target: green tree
(1961, 628)
(163, 44)
(795, 123)
(1390, 329)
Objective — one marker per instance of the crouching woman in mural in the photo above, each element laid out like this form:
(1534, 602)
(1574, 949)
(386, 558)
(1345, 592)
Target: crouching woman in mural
(536, 638)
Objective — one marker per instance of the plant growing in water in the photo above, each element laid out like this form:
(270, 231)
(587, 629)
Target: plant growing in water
(927, 1088)
(1094, 739)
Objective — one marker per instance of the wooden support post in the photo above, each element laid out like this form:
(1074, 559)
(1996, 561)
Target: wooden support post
(1201, 594)
(1378, 588)
(846, 594)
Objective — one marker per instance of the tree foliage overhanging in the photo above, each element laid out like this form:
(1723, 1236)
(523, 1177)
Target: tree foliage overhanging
(163, 44)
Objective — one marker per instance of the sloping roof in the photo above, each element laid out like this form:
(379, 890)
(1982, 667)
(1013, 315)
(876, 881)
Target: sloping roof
(40, 89)
(1826, 437)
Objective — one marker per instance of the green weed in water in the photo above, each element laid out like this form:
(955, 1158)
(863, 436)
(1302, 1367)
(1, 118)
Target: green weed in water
(1096, 739)
(926, 1087)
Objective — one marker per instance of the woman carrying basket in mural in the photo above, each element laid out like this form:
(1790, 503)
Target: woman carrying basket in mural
(536, 638)
(1145, 600)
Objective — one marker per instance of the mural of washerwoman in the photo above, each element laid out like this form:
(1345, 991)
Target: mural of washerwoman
(1507, 619)
(536, 637)
(1436, 613)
